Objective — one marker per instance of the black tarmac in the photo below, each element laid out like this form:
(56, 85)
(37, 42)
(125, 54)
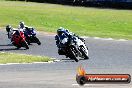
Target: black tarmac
(106, 56)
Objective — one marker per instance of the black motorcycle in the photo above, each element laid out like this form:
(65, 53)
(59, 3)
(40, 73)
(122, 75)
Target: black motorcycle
(31, 37)
(73, 48)
(69, 49)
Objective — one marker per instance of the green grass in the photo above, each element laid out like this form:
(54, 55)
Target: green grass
(81, 20)
(21, 58)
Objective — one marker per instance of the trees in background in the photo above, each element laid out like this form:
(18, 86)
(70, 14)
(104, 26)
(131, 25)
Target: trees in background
(95, 3)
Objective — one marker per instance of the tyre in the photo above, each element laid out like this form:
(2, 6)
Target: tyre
(73, 54)
(84, 53)
(24, 44)
(29, 43)
(28, 40)
(37, 41)
(18, 47)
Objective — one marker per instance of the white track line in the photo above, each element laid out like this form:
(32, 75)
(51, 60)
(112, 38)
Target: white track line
(54, 60)
(26, 63)
(75, 84)
(108, 39)
(122, 40)
(80, 85)
(57, 60)
(98, 38)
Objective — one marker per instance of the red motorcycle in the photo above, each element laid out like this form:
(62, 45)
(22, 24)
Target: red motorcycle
(18, 39)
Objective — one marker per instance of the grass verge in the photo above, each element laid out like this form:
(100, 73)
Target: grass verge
(21, 58)
(81, 20)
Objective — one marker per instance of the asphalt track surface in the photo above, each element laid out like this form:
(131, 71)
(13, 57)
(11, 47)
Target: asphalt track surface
(106, 56)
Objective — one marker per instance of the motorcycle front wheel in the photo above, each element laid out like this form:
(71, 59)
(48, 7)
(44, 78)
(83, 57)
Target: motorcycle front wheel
(24, 44)
(84, 53)
(73, 54)
(37, 41)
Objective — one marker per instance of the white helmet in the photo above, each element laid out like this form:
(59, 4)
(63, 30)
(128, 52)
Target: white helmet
(61, 28)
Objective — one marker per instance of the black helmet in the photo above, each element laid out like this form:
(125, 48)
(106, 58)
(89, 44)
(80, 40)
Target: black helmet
(8, 28)
(22, 24)
(60, 31)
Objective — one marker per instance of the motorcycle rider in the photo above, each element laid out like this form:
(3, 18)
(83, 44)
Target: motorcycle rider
(9, 30)
(24, 28)
(22, 25)
(61, 34)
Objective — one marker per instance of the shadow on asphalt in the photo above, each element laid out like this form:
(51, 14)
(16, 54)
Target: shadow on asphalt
(67, 60)
(71, 60)
(7, 45)
(10, 49)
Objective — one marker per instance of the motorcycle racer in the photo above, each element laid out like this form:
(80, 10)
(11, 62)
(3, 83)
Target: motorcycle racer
(21, 25)
(71, 45)
(29, 33)
(9, 30)
(17, 37)
(64, 33)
